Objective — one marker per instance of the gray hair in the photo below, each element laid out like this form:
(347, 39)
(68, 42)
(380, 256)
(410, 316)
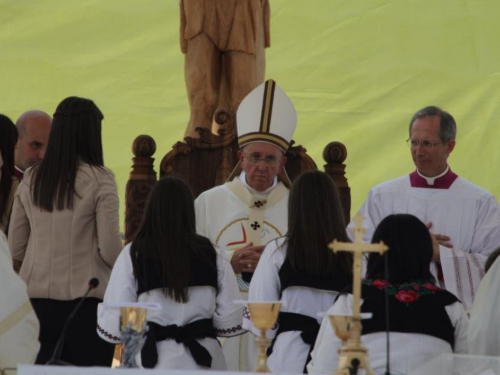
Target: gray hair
(448, 126)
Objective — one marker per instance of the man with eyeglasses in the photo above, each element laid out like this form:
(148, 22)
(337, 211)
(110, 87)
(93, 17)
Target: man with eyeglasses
(463, 218)
(250, 210)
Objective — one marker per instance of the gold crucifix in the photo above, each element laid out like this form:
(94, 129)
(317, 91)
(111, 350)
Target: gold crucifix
(353, 353)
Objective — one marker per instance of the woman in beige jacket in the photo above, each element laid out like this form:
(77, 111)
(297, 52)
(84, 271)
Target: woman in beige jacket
(64, 231)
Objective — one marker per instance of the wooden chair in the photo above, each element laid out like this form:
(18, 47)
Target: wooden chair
(208, 161)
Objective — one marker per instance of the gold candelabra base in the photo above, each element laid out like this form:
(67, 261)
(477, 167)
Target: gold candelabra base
(351, 359)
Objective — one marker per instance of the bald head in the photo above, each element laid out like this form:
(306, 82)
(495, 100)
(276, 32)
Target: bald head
(34, 129)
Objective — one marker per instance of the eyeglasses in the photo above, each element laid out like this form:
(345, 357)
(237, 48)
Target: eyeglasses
(271, 161)
(413, 143)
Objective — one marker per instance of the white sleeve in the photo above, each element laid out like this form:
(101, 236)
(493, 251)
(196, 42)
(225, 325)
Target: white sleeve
(265, 285)
(371, 217)
(228, 315)
(463, 269)
(484, 331)
(122, 287)
(460, 321)
(324, 357)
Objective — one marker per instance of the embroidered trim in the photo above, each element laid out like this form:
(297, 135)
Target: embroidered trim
(478, 265)
(246, 313)
(224, 331)
(469, 273)
(15, 317)
(405, 293)
(107, 334)
(458, 279)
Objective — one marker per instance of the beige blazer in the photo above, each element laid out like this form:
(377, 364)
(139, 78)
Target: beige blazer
(4, 221)
(62, 250)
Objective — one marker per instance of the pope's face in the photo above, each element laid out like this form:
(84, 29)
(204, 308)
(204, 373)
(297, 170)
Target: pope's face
(261, 162)
(429, 161)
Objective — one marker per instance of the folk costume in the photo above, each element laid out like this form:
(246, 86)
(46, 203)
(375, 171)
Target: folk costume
(234, 214)
(303, 296)
(466, 213)
(181, 335)
(425, 321)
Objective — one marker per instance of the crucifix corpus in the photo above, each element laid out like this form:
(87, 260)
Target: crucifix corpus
(353, 355)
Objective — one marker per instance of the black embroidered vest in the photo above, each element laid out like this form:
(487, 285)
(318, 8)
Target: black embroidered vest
(427, 315)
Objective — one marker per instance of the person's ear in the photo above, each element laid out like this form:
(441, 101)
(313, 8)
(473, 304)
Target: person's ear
(240, 156)
(450, 146)
(282, 163)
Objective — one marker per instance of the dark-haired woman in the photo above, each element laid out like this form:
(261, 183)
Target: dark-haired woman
(302, 271)
(8, 182)
(425, 321)
(64, 230)
(169, 264)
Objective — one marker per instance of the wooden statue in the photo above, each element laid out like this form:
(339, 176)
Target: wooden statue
(223, 42)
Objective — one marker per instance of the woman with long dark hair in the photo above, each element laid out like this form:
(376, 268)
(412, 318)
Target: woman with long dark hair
(64, 231)
(9, 181)
(302, 271)
(169, 264)
(424, 320)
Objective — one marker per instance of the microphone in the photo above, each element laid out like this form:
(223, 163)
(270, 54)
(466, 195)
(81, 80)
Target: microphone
(56, 355)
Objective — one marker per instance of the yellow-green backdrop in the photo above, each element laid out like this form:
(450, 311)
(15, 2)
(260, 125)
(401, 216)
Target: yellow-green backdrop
(355, 69)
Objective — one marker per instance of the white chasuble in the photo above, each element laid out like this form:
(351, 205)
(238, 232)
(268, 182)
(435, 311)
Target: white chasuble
(19, 327)
(232, 217)
(466, 213)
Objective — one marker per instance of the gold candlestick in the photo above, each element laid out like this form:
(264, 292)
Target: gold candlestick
(353, 353)
(263, 315)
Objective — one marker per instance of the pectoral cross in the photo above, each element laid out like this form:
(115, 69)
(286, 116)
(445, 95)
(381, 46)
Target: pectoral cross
(353, 353)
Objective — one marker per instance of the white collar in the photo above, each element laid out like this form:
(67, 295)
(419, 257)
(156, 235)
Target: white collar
(265, 193)
(19, 169)
(430, 180)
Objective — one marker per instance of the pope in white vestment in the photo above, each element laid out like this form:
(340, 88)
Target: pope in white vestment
(464, 218)
(250, 210)
(19, 325)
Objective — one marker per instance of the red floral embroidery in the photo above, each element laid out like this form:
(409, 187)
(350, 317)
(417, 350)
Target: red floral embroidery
(379, 283)
(431, 287)
(405, 293)
(406, 296)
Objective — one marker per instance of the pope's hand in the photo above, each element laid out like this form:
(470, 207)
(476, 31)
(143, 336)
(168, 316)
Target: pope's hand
(246, 259)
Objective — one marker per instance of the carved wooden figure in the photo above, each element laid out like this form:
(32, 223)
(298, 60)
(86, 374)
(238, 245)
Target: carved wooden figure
(224, 44)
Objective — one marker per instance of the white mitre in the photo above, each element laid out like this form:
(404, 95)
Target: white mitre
(266, 115)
